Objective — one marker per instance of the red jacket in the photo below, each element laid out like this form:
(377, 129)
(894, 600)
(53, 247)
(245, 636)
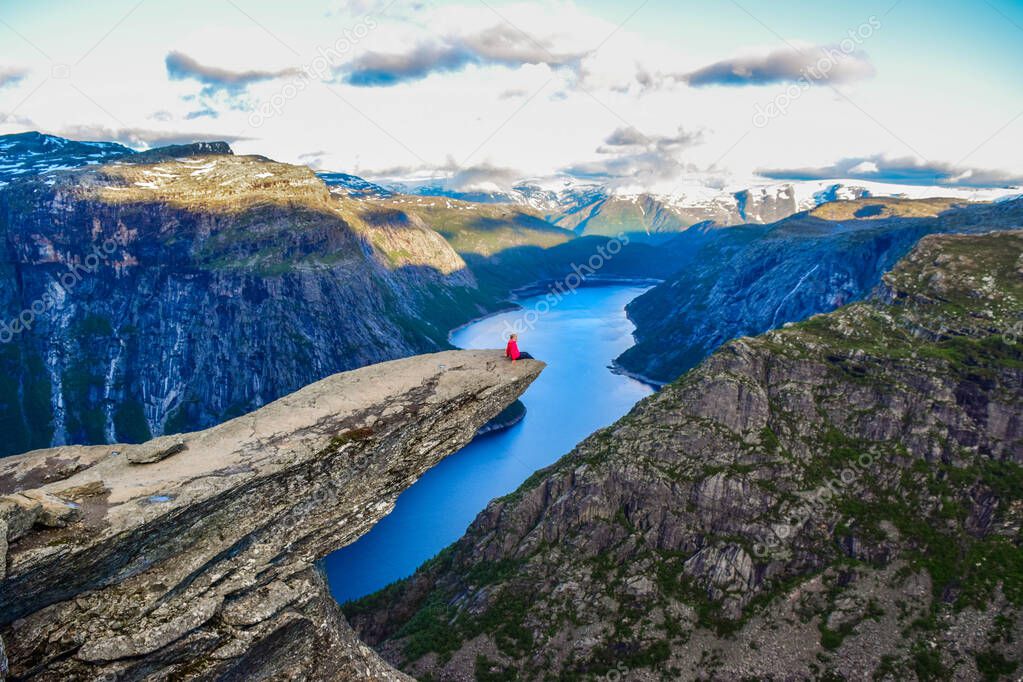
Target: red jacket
(512, 351)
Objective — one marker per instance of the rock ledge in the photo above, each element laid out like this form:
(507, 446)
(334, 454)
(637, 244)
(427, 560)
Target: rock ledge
(202, 564)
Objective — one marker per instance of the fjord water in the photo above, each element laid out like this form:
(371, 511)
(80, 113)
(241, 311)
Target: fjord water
(576, 395)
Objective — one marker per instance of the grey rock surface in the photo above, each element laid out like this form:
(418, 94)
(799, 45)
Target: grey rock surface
(203, 565)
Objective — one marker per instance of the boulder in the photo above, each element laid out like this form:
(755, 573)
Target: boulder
(155, 450)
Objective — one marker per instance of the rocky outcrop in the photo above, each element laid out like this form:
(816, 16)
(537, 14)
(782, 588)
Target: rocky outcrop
(199, 559)
(839, 499)
(746, 280)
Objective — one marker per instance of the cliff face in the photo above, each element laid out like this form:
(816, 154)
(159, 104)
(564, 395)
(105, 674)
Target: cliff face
(168, 292)
(840, 499)
(508, 246)
(195, 555)
(746, 280)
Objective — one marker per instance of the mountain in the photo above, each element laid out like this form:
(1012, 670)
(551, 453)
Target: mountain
(594, 208)
(194, 556)
(353, 186)
(840, 499)
(26, 154)
(165, 293)
(168, 290)
(747, 280)
(588, 208)
(602, 210)
(176, 327)
(509, 246)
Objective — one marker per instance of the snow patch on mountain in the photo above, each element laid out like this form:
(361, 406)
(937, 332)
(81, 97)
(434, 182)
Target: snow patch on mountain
(562, 197)
(27, 154)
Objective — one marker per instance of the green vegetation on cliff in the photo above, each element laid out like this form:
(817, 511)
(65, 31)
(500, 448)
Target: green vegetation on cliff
(837, 498)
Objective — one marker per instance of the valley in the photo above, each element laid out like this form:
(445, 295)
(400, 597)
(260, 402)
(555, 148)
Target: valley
(231, 281)
(576, 395)
(511, 341)
(838, 498)
(797, 334)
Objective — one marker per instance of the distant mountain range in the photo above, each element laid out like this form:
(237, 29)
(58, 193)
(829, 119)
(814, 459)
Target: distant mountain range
(593, 208)
(585, 208)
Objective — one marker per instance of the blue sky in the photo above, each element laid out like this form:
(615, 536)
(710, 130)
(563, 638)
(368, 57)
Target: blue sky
(693, 93)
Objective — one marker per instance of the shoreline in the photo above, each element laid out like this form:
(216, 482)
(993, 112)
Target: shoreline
(509, 417)
(543, 286)
(616, 368)
(507, 309)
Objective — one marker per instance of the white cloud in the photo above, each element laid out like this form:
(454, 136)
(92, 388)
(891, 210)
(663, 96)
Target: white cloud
(864, 167)
(498, 45)
(10, 76)
(902, 170)
(140, 138)
(813, 64)
(534, 95)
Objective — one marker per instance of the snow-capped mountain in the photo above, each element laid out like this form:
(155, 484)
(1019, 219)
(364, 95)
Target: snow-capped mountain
(26, 154)
(583, 206)
(23, 155)
(593, 208)
(354, 186)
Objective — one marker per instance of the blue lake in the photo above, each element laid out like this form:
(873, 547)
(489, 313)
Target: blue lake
(576, 395)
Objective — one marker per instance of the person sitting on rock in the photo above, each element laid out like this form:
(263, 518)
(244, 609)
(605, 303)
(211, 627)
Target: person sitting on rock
(512, 349)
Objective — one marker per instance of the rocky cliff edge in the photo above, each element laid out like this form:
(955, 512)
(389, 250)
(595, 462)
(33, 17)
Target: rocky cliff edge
(194, 556)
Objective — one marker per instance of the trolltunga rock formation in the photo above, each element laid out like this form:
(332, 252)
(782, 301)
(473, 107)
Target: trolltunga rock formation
(196, 556)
